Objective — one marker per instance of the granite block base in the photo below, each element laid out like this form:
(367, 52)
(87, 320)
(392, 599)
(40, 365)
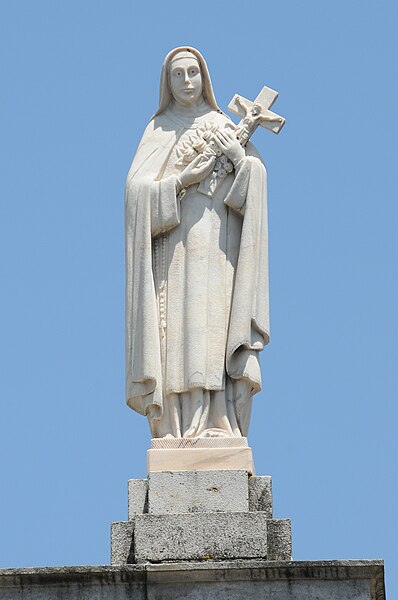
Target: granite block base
(199, 515)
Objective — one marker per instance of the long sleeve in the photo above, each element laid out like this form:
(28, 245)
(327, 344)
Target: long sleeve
(165, 205)
(236, 197)
(162, 198)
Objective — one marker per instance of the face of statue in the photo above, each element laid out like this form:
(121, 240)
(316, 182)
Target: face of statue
(185, 79)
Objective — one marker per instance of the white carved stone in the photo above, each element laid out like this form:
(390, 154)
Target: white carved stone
(264, 117)
(173, 443)
(201, 459)
(197, 277)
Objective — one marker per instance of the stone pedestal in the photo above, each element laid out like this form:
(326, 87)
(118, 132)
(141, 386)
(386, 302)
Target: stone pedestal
(200, 515)
(200, 535)
(210, 533)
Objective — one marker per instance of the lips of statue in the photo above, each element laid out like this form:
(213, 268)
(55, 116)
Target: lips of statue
(185, 80)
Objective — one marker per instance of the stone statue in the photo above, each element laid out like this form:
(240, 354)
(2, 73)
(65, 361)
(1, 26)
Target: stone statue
(196, 258)
(254, 116)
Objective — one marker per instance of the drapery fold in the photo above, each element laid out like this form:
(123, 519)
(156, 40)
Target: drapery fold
(152, 209)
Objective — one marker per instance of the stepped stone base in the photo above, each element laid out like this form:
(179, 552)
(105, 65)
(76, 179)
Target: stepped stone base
(199, 515)
(205, 534)
(236, 580)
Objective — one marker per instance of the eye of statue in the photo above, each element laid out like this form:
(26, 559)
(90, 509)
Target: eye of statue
(177, 73)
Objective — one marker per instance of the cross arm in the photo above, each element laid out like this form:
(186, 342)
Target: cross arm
(241, 106)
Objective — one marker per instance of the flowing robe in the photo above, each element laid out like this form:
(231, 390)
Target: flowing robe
(196, 288)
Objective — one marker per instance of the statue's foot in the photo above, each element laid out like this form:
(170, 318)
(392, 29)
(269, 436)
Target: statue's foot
(215, 433)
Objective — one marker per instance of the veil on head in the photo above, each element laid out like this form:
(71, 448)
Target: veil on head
(165, 92)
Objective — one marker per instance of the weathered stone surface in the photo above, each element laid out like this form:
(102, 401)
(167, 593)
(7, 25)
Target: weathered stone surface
(256, 590)
(166, 537)
(260, 494)
(197, 492)
(203, 536)
(137, 497)
(122, 542)
(200, 459)
(237, 580)
(279, 539)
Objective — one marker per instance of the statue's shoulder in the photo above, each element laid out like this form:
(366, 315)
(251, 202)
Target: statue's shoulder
(157, 138)
(152, 130)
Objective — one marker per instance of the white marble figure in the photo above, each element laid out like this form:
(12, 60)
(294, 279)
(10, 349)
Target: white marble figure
(254, 116)
(197, 276)
(256, 113)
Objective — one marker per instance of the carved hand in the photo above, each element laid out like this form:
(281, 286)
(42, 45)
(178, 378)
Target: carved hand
(229, 145)
(197, 170)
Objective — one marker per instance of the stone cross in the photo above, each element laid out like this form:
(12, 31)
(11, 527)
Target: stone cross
(256, 113)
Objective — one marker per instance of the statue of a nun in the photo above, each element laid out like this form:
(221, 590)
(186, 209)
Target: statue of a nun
(196, 252)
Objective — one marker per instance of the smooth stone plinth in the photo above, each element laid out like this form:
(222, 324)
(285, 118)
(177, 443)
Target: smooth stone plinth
(198, 442)
(206, 536)
(200, 459)
(236, 580)
(137, 497)
(197, 492)
(260, 494)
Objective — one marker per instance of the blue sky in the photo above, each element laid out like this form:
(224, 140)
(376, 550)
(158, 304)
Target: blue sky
(79, 83)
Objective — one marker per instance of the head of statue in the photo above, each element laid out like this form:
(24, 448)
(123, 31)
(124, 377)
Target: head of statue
(256, 110)
(185, 81)
(185, 78)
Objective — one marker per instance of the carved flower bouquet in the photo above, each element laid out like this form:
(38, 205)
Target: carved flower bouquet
(202, 142)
